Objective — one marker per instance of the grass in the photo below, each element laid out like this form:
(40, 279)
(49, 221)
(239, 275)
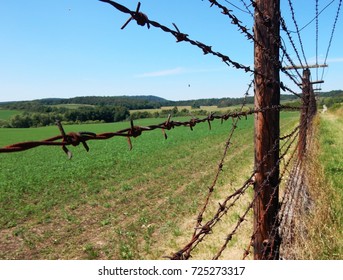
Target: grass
(7, 114)
(323, 238)
(331, 158)
(112, 203)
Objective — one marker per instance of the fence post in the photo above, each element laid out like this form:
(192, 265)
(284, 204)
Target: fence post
(313, 102)
(267, 130)
(305, 111)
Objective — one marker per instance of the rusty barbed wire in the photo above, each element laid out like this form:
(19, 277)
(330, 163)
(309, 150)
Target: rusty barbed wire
(236, 6)
(285, 207)
(220, 165)
(275, 231)
(290, 38)
(247, 7)
(222, 210)
(277, 40)
(206, 229)
(202, 230)
(290, 3)
(224, 207)
(266, 181)
(234, 20)
(244, 30)
(77, 138)
(142, 20)
(332, 33)
(285, 214)
(294, 133)
(295, 192)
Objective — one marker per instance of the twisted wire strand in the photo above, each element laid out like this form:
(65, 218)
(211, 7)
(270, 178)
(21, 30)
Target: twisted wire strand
(332, 34)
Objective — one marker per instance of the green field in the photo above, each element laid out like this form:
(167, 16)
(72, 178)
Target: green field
(7, 114)
(72, 106)
(206, 108)
(112, 203)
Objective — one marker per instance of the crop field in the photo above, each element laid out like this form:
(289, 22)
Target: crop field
(178, 107)
(71, 106)
(189, 108)
(112, 203)
(7, 114)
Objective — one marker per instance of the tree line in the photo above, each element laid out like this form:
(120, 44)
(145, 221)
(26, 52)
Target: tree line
(79, 115)
(130, 102)
(89, 109)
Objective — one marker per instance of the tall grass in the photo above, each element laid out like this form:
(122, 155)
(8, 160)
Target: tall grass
(323, 237)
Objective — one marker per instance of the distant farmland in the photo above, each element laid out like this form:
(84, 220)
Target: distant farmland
(7, 114)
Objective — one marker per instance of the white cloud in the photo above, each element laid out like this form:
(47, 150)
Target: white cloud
(335, 60)
(312, 60)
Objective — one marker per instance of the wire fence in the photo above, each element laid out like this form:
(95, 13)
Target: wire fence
(290, 159)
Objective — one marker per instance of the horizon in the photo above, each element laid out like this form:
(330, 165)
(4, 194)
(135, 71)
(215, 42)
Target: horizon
(149, 95)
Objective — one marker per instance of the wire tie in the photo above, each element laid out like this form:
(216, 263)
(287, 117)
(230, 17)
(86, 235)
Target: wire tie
(179, 36)
(139, 17)
(222, 207)
(65, 139)
(209, 119)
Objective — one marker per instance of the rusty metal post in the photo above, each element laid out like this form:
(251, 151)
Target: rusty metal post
(267, 129)
(305, 111)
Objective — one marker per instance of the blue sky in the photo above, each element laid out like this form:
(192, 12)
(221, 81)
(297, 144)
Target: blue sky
(70, 48)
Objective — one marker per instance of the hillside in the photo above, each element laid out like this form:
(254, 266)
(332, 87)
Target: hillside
(132, 102)
(84, 109)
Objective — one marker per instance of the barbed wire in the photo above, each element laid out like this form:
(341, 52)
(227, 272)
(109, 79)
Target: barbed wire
(294, 133)
(238, 8)
(282, 228)
(277, 39)
(202, 230)
(290, 3)
(250, 36)
(224, 207)
(296, 189)
(291, 191)
(285, 28)
(247, 7)
(206, 229)
(307, 24)
(77, 138)
(264, 183)
(142, 19)
(332, 33)
(220, 165)
(267, 23)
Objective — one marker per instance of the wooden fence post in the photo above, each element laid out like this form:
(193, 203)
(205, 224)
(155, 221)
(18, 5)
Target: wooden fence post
(313, 102)
(305, 111)
(267, 129)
